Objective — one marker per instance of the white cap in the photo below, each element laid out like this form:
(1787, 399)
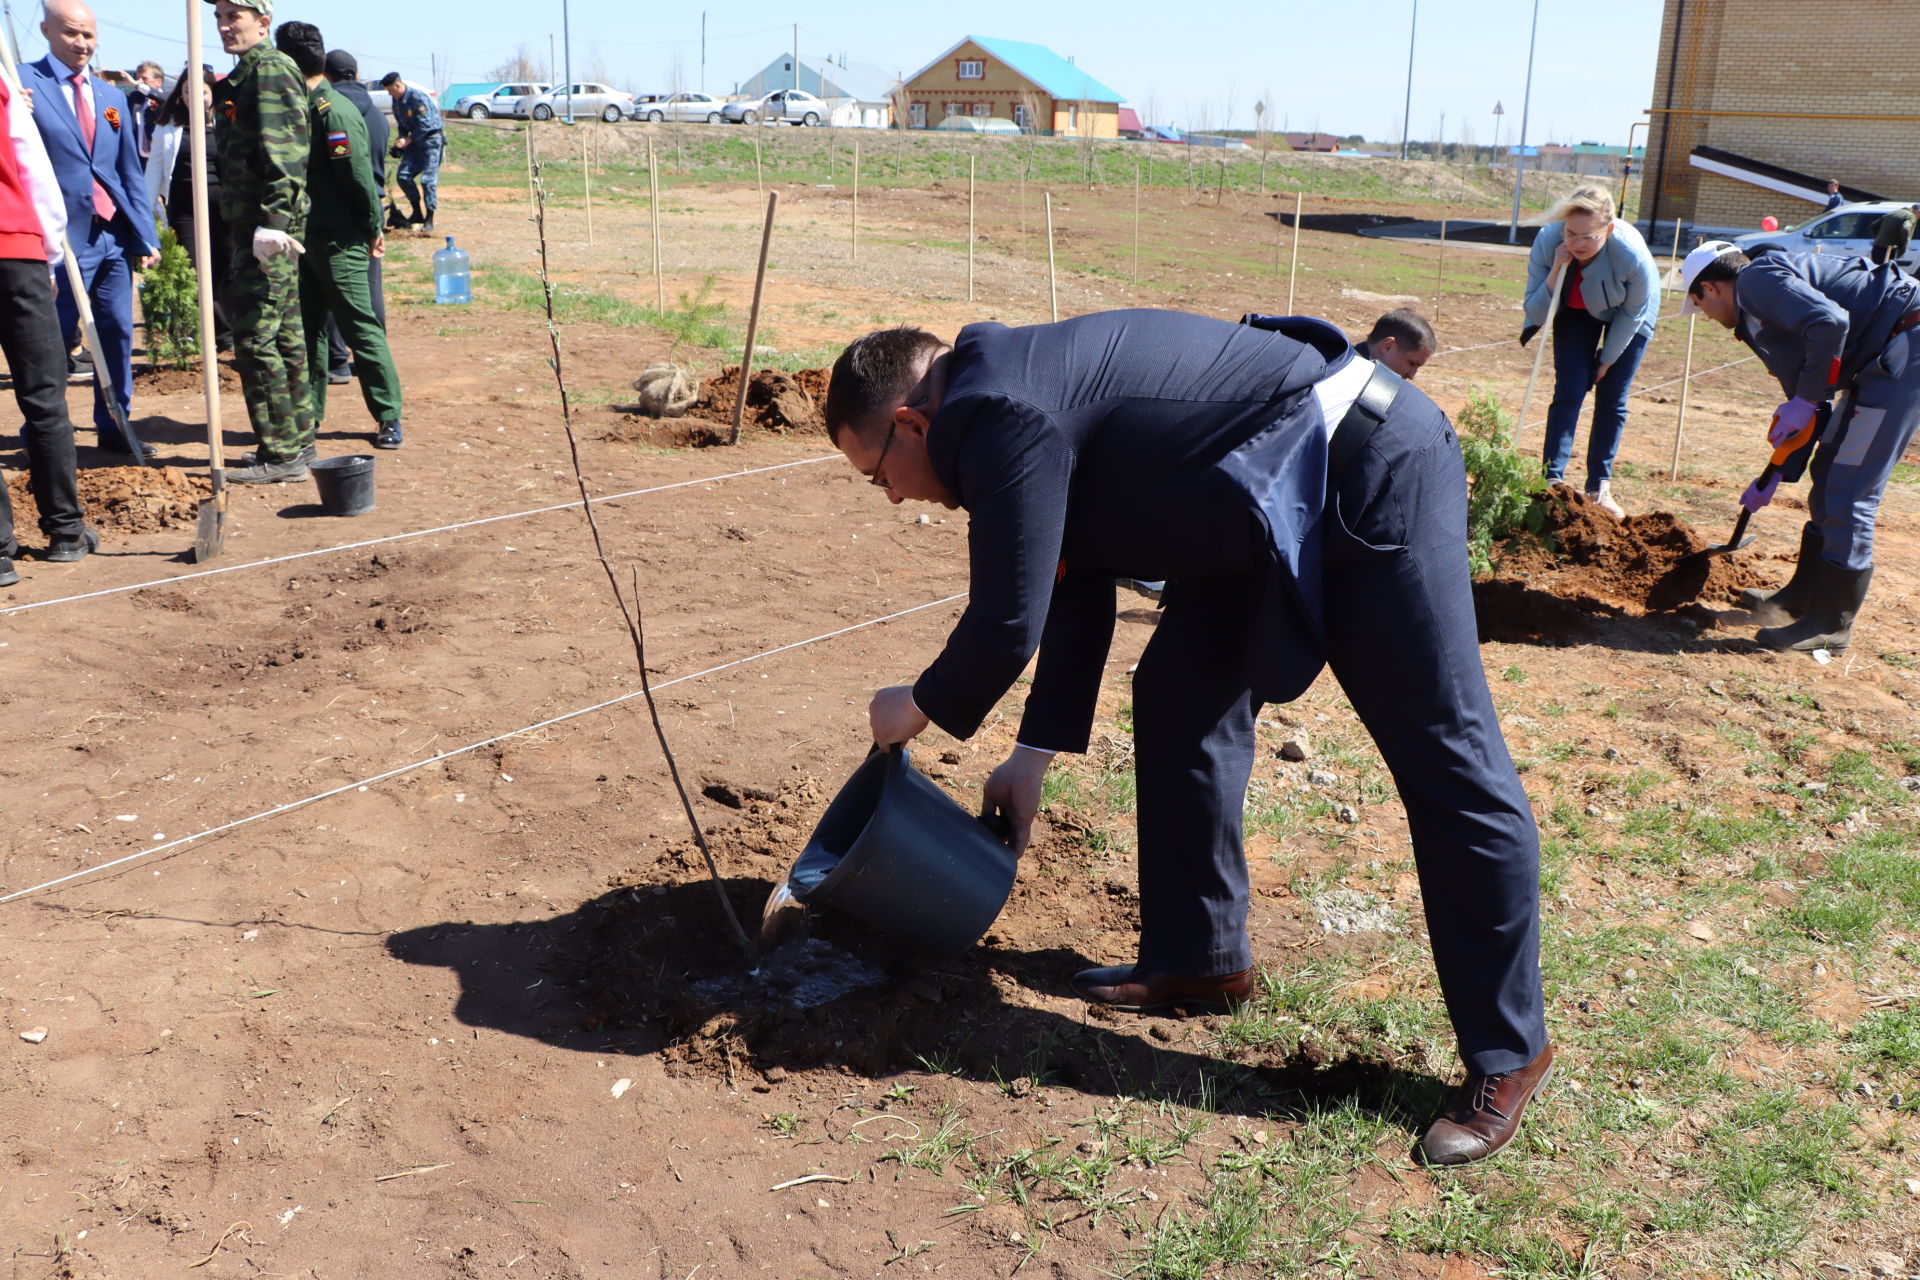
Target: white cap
(1696, 263)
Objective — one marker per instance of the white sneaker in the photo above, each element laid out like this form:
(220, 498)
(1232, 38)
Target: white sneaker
(1603, 498)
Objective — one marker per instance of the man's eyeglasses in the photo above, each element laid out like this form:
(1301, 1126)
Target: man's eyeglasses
(877, 478)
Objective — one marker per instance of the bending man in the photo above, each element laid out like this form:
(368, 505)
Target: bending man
(1156, 445)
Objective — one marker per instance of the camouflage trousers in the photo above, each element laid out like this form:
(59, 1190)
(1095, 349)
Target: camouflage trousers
(270, 348)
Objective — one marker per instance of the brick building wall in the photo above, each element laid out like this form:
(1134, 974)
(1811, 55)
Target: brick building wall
(1812, 76)
(999, 91)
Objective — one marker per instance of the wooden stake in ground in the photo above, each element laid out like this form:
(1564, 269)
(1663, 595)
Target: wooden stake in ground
(532, 212)
(1680, 422)
(759, 177)
(853, 225)
(1546, 331)
(629, 610)
(653, 208)
(1136, 222)
(1440, 285)
(210, 535)
(586, 177)
(1293, 270)
(753, 319)
(1053, 285)
(970, 197)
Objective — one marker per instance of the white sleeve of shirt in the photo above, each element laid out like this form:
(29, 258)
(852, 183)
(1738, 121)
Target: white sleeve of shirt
(48, 203)
(1337, 393)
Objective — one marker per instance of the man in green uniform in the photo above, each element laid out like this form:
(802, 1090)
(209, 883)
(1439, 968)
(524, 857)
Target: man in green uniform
(343, 238)
(260, 131)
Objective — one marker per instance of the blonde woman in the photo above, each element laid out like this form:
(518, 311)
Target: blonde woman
(1607, 308)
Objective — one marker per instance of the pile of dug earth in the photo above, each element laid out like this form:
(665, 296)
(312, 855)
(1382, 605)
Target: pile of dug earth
(1644, 564)
(121, 500)
(778, 403)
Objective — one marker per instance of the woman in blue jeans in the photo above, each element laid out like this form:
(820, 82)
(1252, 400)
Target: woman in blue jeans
(1607, 309)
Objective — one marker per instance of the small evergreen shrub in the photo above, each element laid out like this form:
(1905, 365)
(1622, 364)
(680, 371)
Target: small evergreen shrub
(1503, 485)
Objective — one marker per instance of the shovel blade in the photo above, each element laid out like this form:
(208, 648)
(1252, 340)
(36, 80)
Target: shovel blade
(209, 531)
(1728, 548)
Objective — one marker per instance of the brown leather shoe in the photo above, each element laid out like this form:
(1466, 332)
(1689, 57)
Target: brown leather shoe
(1485, 1114)
(1126, 989)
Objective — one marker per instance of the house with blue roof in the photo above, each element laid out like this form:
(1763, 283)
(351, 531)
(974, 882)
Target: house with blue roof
(1029, 84)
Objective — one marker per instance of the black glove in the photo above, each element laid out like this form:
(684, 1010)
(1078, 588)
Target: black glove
(397, 150)
(1526, 334)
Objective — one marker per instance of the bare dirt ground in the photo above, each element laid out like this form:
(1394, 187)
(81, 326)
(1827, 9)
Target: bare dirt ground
(439, 1022)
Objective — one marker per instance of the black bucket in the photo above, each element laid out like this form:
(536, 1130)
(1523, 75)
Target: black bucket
(896, 852)
(345, 484)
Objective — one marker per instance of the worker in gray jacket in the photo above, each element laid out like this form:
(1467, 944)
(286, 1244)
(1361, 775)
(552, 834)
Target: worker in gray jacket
(1825, 327)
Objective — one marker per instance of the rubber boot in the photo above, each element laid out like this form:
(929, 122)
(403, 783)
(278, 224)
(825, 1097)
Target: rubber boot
(1837, 594)
(1784, 604)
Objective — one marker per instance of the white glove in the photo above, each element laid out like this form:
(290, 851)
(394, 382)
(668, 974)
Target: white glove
(268, 243)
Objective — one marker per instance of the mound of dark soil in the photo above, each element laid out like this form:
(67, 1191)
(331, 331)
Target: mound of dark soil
(779, 402)
(1643, 564)
(123, 499)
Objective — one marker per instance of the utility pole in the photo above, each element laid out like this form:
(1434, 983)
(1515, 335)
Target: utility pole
(796, 55)
(703, 51)
(566, 43)
(1526, 104)
(1406, 118)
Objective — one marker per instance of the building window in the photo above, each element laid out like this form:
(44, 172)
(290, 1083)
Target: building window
(1021, 116)
(972, 69)
(956, 109)
(983, 109)
(917, 115)
(1073, 117)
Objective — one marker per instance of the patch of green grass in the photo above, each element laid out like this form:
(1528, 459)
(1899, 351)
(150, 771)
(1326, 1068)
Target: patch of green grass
(1888, 1037)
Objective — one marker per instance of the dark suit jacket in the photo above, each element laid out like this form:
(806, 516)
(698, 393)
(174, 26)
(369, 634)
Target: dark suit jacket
(114, 161)
(1145, 444)
(377, 130)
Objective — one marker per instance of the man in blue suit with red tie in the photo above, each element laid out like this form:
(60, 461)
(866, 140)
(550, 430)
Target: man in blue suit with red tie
(1306, 508)
(96, 159)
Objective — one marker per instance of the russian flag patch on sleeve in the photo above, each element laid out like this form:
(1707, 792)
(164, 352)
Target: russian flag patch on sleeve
(337, 145)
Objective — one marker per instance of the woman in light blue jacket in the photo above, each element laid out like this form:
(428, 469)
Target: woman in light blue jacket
(1607, 309)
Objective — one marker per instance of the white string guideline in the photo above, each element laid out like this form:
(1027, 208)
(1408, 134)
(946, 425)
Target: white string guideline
(289, 807)
(418, 533)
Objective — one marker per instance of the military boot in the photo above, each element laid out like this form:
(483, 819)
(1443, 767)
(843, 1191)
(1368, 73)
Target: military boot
(1834, 601)
(1784, 604)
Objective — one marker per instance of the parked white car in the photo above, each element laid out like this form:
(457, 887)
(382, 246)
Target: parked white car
(590, 99)
(502, 100)
(1846, 231)
(795, 106)
(681, 107)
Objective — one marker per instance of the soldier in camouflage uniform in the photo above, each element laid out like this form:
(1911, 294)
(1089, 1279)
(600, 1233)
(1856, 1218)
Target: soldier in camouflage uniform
(261, 134)
(423, 140)
(343, 239)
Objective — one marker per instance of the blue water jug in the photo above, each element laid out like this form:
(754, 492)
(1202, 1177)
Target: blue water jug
(452, 275)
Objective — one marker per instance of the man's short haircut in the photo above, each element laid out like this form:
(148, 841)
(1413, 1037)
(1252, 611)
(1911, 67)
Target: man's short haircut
(1593, 199)
(390, 79)
(145, 67)
(342, 65)
(301, 41)
(873, 376)
(1723, 268)
(1408, 329)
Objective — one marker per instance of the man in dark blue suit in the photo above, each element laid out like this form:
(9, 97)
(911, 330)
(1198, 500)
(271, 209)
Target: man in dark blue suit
(1305, 507)
(96, 159)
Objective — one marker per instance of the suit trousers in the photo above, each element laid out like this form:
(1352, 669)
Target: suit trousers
(333, 286)
(37, 363)
(1870, 435)
(107, 270)
(1402, 640)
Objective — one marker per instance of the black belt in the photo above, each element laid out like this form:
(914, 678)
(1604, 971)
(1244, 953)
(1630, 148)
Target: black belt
(1369, 410)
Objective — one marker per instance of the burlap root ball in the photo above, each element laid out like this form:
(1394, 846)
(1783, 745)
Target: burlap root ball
(667, 390)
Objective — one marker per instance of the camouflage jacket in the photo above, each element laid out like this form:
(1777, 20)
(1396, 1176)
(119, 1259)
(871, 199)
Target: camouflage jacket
(346, 205)
(260, 132)
(416, 115)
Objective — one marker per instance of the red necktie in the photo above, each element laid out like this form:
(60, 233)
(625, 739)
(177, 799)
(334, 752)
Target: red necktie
(83, 108)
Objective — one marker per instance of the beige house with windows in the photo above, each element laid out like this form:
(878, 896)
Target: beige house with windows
(1029, 84)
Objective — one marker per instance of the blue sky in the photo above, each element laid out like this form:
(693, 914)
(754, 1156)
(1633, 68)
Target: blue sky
(1337, 67)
